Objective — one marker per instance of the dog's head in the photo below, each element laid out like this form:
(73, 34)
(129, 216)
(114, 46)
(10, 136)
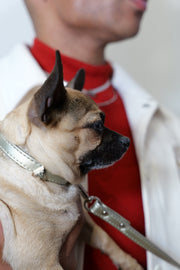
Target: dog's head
(66, 129)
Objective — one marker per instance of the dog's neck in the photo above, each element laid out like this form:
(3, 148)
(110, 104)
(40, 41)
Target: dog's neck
(23, 159)
(52, 157)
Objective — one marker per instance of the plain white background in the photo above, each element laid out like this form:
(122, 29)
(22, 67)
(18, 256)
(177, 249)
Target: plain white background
(152, 57)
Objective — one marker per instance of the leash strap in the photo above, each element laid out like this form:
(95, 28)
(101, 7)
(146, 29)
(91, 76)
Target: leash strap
(96, 207)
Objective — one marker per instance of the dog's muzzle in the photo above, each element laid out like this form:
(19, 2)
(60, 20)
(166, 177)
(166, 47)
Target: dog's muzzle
(112, 148)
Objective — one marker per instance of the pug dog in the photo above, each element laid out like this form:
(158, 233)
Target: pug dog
(40, 209)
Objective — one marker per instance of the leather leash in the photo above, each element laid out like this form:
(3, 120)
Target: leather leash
(91, 203)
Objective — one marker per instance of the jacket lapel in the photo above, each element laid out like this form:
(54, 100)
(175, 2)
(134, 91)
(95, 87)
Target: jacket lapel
(140, 107)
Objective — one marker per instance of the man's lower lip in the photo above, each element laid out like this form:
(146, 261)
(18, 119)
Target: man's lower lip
(139, 4)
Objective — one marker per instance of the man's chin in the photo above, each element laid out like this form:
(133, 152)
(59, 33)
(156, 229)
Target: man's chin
(123, 36)
(128, 31)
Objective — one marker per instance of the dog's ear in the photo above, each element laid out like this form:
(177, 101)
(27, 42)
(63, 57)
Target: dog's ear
(50, 96)
(78, 81)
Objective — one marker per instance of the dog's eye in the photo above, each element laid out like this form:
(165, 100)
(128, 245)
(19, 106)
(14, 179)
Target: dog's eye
(97, 126)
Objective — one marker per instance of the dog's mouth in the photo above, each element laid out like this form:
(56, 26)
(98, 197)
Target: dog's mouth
(113, 146)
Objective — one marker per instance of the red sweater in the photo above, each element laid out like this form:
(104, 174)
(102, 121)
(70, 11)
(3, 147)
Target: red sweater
(117, 186)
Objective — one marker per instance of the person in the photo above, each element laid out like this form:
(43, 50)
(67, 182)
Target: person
(144, 186)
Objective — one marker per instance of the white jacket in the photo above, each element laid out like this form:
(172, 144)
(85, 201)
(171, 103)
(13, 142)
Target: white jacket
(156, 135)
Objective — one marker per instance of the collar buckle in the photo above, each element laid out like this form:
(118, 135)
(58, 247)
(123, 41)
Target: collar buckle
(40, 172)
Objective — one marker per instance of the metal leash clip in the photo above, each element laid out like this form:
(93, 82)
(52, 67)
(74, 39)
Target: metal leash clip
(91, 201)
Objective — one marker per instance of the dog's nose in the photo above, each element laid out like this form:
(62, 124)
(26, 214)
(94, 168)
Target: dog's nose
(125, 141)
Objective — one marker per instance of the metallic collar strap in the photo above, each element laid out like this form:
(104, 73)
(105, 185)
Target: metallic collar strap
(27, 162)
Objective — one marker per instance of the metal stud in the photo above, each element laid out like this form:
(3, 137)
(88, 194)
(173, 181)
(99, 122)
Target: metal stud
(122, 225)
(105, 213)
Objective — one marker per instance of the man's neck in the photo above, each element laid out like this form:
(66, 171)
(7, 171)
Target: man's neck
(74, 44)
